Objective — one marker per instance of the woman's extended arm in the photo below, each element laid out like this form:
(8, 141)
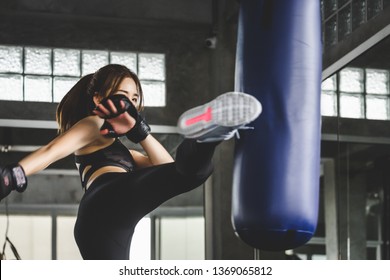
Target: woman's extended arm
(81, 134)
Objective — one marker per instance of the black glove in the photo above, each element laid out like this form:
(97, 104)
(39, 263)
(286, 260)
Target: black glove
(12, 177)
(140, 130)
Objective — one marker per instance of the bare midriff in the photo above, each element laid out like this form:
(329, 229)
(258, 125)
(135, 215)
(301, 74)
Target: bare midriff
(104, 170)
(103, 143)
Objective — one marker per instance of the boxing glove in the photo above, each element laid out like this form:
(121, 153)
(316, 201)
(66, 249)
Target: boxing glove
(136, 133)
(12, 177)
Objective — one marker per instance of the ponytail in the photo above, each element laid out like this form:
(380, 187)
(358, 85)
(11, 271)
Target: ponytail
(76, 105)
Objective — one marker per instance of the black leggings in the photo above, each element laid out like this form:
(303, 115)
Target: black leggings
(115, 202)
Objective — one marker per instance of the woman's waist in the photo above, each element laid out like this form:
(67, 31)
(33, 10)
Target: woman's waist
(87, 182)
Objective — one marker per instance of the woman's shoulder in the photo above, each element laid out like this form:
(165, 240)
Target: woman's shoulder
(91, 120)
(85, 131)
(89, 127)
(87, 124)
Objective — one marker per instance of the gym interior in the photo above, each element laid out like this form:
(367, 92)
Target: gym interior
(185, 54)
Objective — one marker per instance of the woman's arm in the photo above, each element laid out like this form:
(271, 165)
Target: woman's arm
(156, 153)
(130, 123)
(81, 134)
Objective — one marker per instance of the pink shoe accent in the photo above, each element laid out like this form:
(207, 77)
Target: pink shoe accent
(207, 116)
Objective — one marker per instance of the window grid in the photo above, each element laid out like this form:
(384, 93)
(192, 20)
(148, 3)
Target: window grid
(41, 66)
(341, 17)
(375, 102)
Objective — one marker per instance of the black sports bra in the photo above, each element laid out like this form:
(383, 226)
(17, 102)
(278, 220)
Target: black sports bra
(115, 154)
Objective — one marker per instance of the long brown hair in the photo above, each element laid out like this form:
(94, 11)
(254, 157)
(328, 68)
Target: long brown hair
(78, 102)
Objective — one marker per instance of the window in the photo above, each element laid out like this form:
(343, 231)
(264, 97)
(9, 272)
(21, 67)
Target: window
(329, 97)
(181, 238)
(341, 17)
(351, 87)
(34, 245)
(377, 99)
(357, 93)
(39, 243)
(46, 74)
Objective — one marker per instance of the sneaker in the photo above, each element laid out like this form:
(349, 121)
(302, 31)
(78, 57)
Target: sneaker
(221, 118)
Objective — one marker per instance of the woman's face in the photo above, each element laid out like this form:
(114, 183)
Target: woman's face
(128, 88)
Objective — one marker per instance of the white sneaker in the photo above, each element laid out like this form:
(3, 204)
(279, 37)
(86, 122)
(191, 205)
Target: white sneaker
(221, 118)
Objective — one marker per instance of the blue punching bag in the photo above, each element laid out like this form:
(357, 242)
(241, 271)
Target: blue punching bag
(276, 167)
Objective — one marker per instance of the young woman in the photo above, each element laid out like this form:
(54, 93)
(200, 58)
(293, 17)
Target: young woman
(123, 186)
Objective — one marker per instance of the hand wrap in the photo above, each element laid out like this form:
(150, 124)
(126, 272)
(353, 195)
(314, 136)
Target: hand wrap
(138, 132)
(12, 177)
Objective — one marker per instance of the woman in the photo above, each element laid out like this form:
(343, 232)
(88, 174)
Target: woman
(122, 186)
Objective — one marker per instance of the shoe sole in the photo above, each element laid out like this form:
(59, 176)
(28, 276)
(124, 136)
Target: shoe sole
(230, 110)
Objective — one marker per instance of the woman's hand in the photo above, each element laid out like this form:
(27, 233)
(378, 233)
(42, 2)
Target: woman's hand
(122, 118)
(119, 120)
